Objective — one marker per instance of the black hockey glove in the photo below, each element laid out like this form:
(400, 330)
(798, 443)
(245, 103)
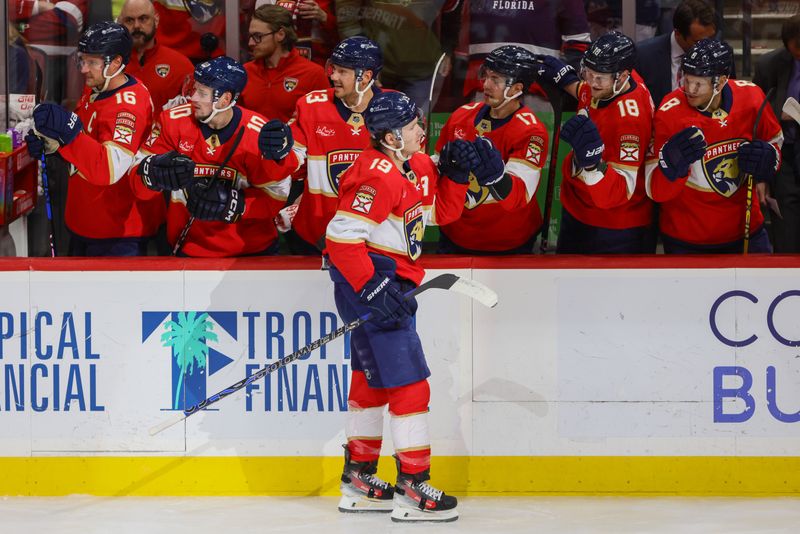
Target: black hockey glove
(171, 171)
(760, 159)
(384, 298)
(275, 140)
(55, 122)
(554, 71)
(584, 138)
(35, 145)
(456, 160)
(680, 151)
(219, 201)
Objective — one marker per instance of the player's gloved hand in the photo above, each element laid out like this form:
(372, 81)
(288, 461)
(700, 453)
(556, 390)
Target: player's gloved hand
(490, 168)
(760, 159)
(35, 145)
(384, 298)
(680, 151)
(219, 201)
(555, 71)
(283, 221)
(171, 171)
(275, 140)
(584, 138)
(456, 160)
(57, 123)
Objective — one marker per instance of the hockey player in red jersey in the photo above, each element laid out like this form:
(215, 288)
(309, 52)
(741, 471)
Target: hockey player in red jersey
(329, 134)
(195, 28)
(704, 145)
(605, 208)
(373, 242)
(501, 215)
(115, 114)
(234, 206)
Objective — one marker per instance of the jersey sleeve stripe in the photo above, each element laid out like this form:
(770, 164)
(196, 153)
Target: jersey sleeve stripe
(529, 175)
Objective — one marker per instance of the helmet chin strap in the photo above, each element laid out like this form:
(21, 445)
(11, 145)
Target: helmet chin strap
(216, 111)
(398, 152)
(716, 89)
(614, 90)
(360, 93)
(508, 98)
(109, 77)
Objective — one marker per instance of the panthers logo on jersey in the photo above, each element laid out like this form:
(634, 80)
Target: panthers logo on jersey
(338, 162)
(721, 167)
(476, 193)
(415, 230)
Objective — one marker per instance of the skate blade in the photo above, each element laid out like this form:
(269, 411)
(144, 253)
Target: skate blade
(359, 505)
(402, 514)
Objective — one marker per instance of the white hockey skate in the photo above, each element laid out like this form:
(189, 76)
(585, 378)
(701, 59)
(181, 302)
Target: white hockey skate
(416, 500)
(362, 491)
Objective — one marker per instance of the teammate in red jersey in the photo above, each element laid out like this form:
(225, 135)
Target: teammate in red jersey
(605, 208)
(115, 113)
(501, 216)
(234, 208)
(329, 134)
(160, 68)
(705, 148)
(385, 199)
(278, 75)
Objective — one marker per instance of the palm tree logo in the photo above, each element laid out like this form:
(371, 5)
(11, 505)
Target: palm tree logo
(187, 336)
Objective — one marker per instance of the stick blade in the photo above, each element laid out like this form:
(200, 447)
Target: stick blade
(475, 290)
(792, 108)
(167, 423)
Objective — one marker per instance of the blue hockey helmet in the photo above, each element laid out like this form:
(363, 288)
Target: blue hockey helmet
(610, 53)
(514, 62)
(389, 111)
(358, 53)
(107, 39)
(708, 58)
(222, 74)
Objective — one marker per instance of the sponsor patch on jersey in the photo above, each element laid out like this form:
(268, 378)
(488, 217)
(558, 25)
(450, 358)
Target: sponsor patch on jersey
(202, 170)
(629, 148)
(338, 162)
(162, 69)
(534, 151)
(364, 198)
(289, 84)
(324, 131)
(415, 230)
(185, 146)
(721, 167)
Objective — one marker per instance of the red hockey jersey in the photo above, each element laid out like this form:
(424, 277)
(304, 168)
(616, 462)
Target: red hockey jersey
(328, 137)
(265, 183)
(488, 224)
(179, 31)
(385, 211)
(100, 201)
(615, 198)
(54, 31)
(707, 207)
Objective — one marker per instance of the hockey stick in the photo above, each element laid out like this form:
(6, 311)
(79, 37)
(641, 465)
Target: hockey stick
(436, 88)
(190, 222)
(792, 108)
(554, 96)
(749, 177)
(448, 281)
(48, 208)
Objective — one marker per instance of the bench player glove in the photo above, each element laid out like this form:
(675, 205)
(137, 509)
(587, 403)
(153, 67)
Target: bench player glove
(457, 159)
(384, 298)
(275, 140)
(760, 159)
(555, 71)
(219, 201)
(584, 138)
(680, 151)
(490, 168)
(171, 171)
(35, 145)
(55, 122)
